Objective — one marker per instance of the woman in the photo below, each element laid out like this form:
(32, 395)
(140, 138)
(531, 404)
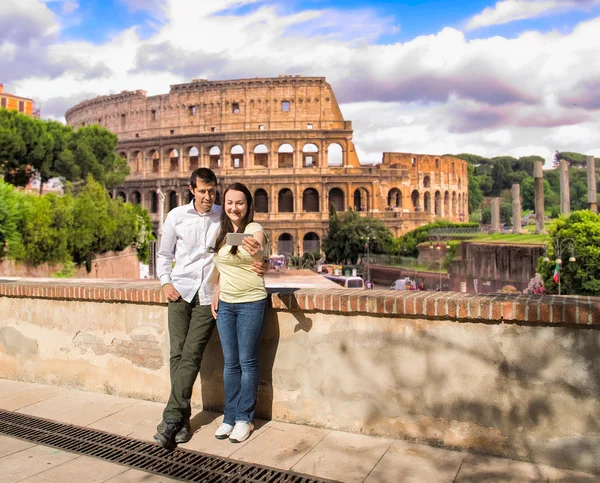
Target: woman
(241, 300)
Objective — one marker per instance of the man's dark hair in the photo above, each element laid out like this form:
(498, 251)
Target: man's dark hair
(203, 174)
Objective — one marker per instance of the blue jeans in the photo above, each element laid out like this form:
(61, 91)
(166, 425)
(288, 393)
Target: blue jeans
(240, 329)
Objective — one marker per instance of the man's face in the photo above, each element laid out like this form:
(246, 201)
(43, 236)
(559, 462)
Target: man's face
(204, 194)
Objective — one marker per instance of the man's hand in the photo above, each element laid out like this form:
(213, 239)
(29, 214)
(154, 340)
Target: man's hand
(168, 289)
(261, 267)
(251, 245)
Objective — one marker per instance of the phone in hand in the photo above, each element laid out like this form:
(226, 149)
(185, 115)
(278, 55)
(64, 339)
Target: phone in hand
(236, 239)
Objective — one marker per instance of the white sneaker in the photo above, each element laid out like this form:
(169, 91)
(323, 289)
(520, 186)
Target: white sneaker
(241, 431)
(223, 431)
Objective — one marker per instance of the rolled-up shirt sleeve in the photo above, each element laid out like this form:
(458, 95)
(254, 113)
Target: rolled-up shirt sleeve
(166, 251)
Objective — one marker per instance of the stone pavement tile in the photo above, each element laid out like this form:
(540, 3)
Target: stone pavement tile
(12, 445)
(29, 462)
(137, 476)
(28, 394)
(344, 457)
(281, 445)
(130, 419)
(204, 440)
(489, 469)
(82, 468)
(416, 463)
(78, 407)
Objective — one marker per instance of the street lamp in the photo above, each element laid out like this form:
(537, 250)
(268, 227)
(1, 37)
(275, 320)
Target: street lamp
(439, 238)
(560, 246)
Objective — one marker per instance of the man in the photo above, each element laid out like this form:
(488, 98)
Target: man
(188, 236)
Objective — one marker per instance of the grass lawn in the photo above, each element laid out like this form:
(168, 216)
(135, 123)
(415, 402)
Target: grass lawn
(525, 238)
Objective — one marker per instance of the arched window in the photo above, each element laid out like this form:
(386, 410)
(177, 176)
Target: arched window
(310, 200)
(261, 155)
(153, 202)
(172, 200)
(416, 200)
(426, 182)
(438, 203)
(310, 156)
(136, 198)
(122, 195)
(193, 154)
(155, 157)
(427, 202)
(285, 244)
(285, 156)
(446, 204)
(361, 200)
(215, 157)
(173, 160)
(335, 155)
(311, 243)
(395, 198)
(286, 201)
(261, 201)
(336, 199)
(237, 156)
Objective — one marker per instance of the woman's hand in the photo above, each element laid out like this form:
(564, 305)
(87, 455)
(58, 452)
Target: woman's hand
(214, 306)
(261, 267)
(251, 245)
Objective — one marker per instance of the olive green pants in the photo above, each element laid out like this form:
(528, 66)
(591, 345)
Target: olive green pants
(190, 328)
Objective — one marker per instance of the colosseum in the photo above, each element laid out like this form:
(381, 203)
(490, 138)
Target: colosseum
(287, 140)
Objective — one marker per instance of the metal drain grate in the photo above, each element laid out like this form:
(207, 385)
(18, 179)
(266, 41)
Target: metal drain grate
(180, 464)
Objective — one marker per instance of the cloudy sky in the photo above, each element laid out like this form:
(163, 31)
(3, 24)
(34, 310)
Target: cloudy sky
(514, 77)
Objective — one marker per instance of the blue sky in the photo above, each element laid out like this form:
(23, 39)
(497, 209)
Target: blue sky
(97, 20)
(495, 77)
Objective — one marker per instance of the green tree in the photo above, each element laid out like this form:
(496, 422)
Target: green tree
(347, 237)
(475, 193)
(581, 277)
(407, 244)
(10, 216)
(93, 149)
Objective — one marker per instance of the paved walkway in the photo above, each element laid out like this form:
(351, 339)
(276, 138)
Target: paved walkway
(330, 454)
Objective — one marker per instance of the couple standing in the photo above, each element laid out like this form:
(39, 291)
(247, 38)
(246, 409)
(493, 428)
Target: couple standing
(210, 275)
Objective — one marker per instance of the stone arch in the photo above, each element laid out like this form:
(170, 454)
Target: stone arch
(427, 202)
(395, 198)
(310, 155)
(135, 197)
(261, 201)
(261, 155)
(427, 182)
(336, 198)
(153, 202)
(122, 195)
(311, 242)
(193, 156)
(237, 156)
(416, 200)
(285, 156)
(285, 201)
(173, 155)
(173, 202)
(335, 155)
(214, 154)
(459, 183)
(310, 201)
(361, 199)
(454, 209)
(438, 203)
(134, 162)
(446, 203)
(285, 244)
(154, 157)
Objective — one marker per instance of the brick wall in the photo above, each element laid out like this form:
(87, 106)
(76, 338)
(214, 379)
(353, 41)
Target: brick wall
(514, 376)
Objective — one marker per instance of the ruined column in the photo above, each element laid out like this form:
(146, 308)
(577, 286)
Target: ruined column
(495, 215)
(565, 197)
(591, 180)
(516, 208)
(538, 175)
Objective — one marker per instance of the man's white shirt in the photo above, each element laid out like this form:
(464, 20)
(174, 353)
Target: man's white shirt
(187, 238)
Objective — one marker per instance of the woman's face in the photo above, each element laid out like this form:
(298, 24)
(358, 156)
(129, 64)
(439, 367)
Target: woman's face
(235, 206)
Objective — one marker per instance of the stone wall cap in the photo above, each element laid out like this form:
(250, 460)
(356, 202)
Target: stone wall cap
(463, 307)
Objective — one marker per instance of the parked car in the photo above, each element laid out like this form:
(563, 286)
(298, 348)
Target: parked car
(404, 284)
(346, 282)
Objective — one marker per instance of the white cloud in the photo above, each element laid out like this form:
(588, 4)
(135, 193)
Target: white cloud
(507, 11)
(433, 94)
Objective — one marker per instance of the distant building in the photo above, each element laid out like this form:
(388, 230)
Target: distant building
(18, 103)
